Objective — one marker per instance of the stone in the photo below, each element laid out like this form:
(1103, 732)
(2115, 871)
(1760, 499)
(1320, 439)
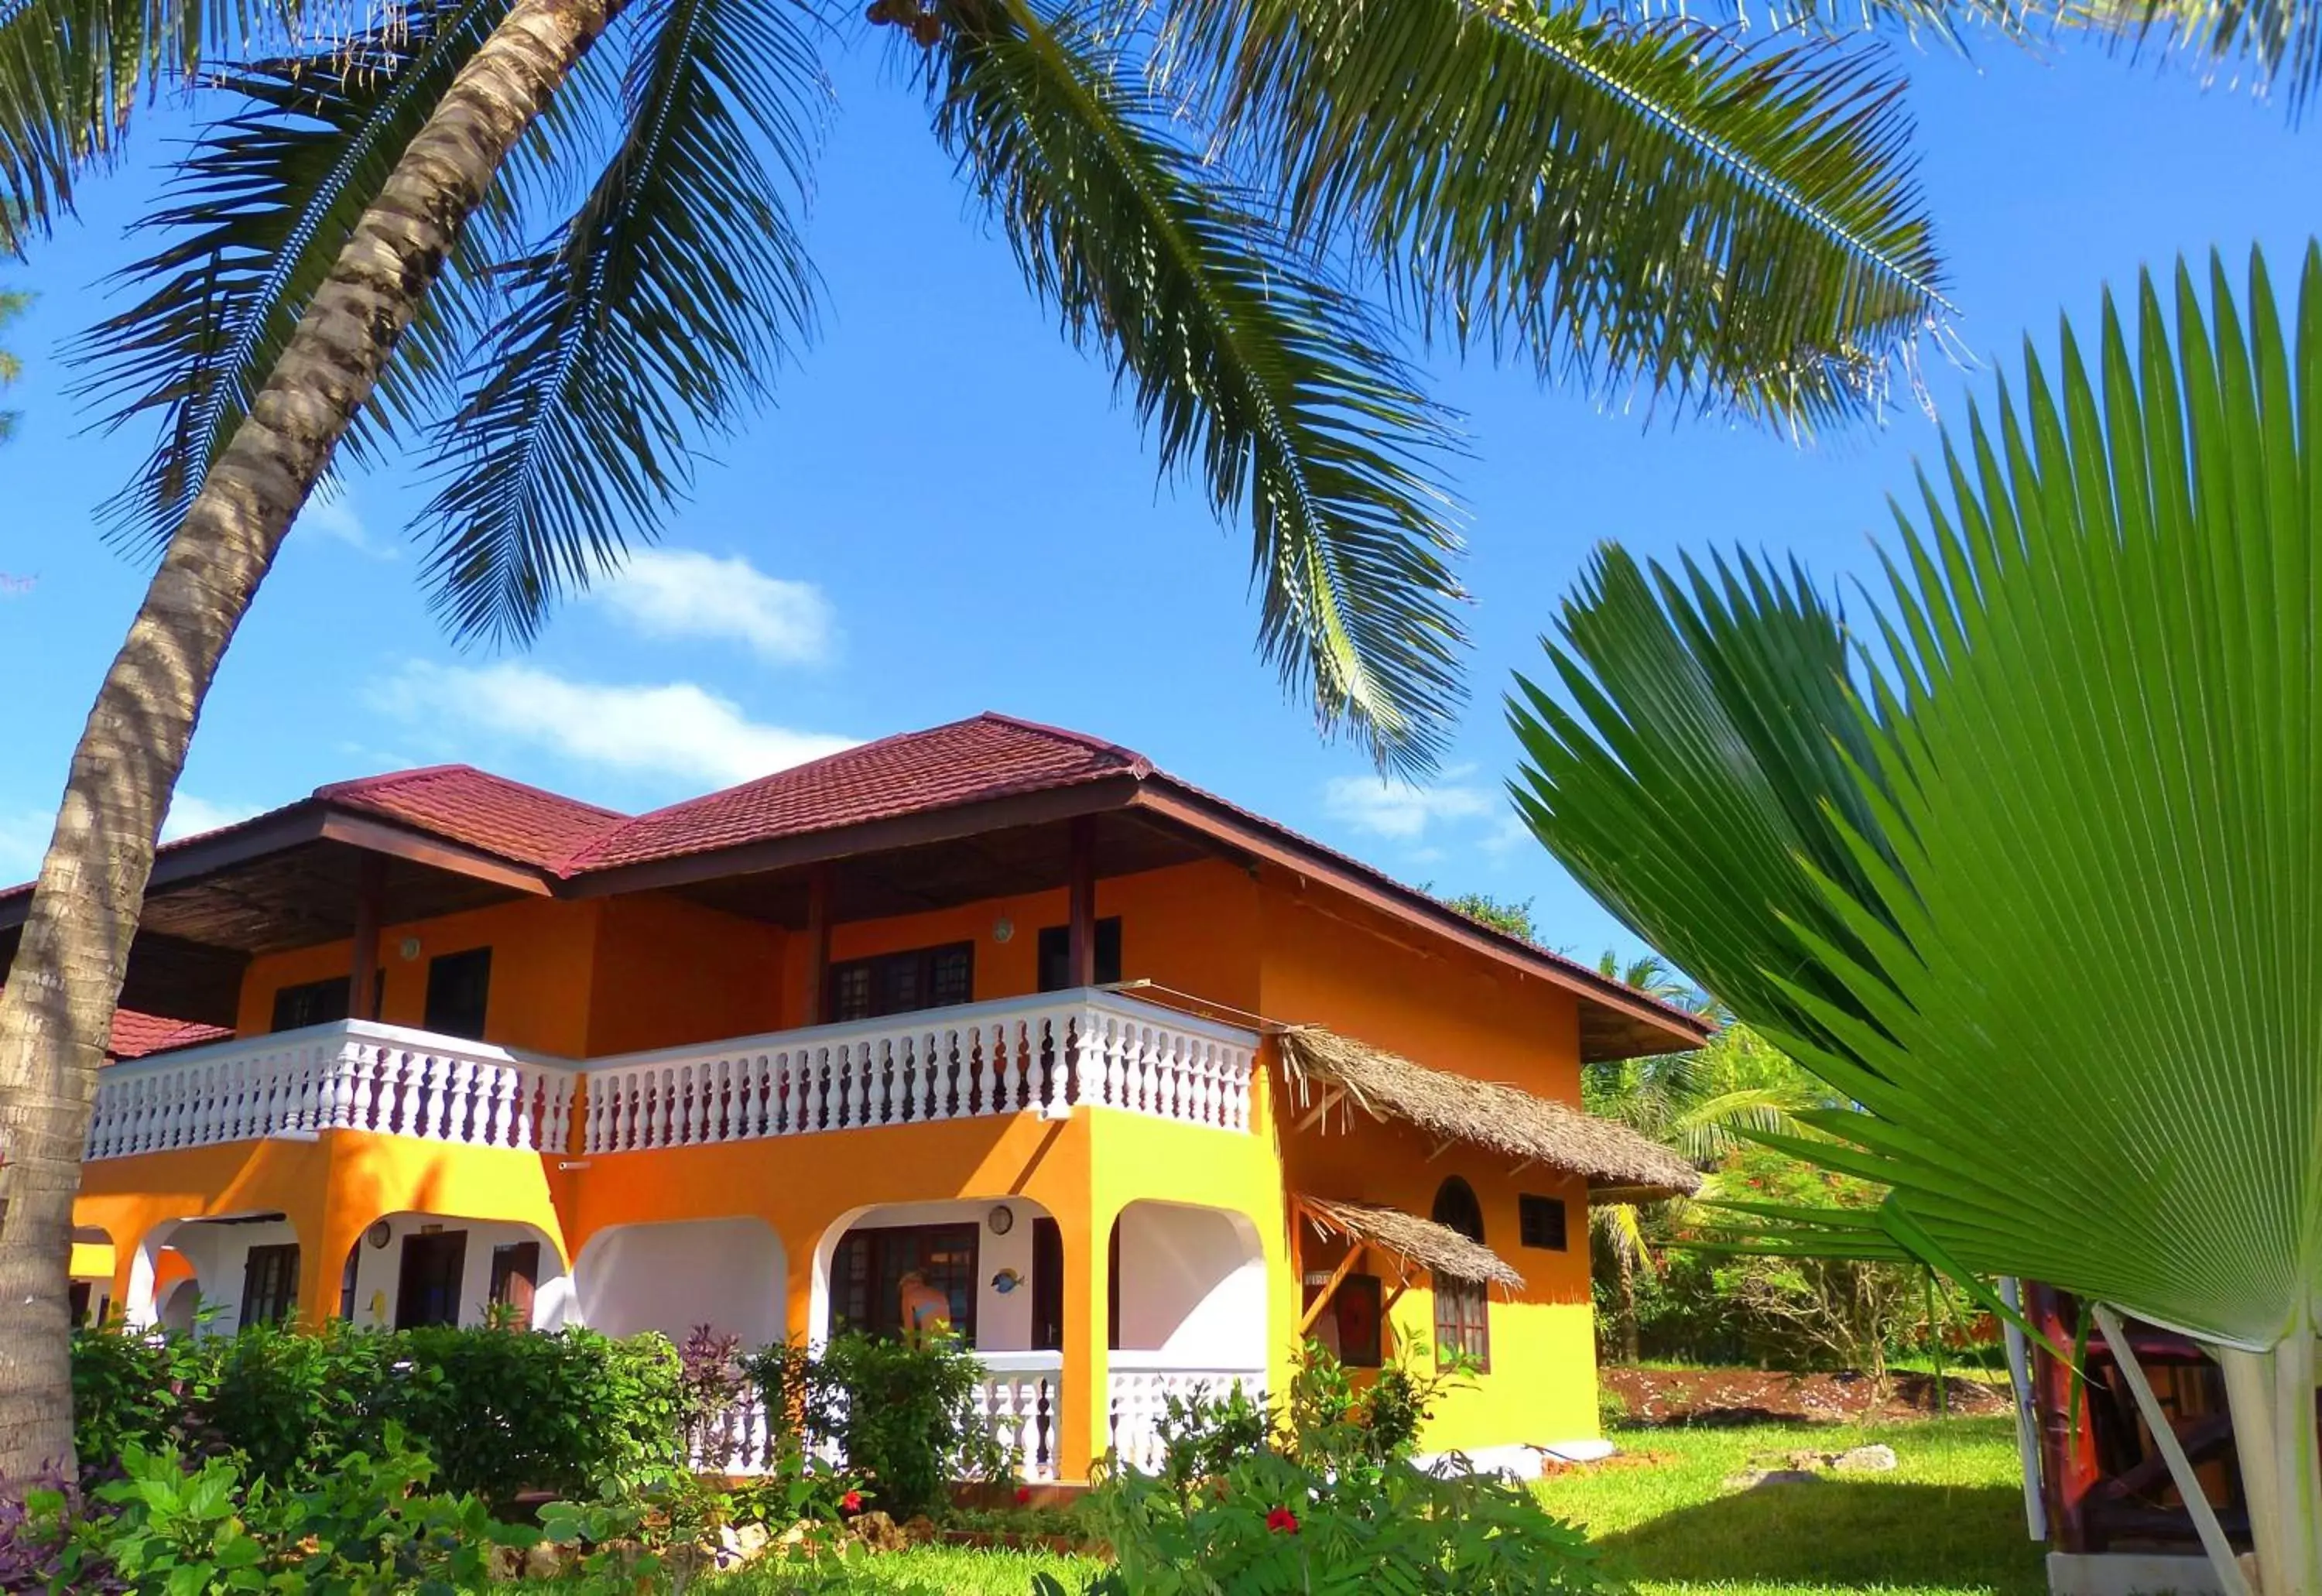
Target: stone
(1865, 1460)
(543, 1562)
(878, 1531)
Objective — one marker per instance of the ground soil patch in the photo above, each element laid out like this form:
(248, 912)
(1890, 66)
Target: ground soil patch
(1760, 1396)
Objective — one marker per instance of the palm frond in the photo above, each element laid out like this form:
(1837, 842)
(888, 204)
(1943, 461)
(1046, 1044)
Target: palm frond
(2094, 753)
(1644, 205)
(1252, 369)
(261, 209)
(73, 71)
(658, 313)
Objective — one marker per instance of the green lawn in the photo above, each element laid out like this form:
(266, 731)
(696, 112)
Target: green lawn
(1948, 1521)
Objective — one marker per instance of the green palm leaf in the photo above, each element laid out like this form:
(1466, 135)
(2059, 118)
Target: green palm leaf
(660, 311)
(2075, 984)
(1251, 367)
(1642, 204)
(261, 210)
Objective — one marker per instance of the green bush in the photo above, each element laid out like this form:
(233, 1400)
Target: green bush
(905, 1413)
(500, 1412)
(1325, 1496)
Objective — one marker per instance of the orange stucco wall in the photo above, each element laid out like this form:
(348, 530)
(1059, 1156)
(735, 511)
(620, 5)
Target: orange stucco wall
(593, 978)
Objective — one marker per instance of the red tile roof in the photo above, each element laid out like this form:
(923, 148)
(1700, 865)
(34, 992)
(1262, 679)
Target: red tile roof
(989, 756)
(135, 1035)
(465, 805)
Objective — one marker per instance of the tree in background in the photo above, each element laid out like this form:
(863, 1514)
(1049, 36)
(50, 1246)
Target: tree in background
(2033, 884)
(12, 304)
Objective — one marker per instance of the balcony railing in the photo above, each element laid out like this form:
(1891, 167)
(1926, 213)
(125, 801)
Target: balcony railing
(1140, 1385)
(353, 1075)
(1019, 1397)
(1044, 1054)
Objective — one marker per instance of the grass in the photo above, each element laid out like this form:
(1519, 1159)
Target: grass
(1948, 1521)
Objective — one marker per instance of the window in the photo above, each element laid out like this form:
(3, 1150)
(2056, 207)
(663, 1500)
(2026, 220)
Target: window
(1462, 1307)
(427, 1287)
(867, 1270)
(458, 987)
(1048, 1286)
(319, 1002)
(1056, 954)
(269, 1281)
(515, 1274)
(1355, 1307)
(1540, 1222)
(898, 983)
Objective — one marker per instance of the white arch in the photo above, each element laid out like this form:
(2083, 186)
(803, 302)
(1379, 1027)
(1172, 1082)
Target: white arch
(730, 1274)
(1193, 1284)
(379, 1269)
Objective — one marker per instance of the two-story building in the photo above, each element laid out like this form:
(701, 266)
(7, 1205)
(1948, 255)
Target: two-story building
(1147, 1085)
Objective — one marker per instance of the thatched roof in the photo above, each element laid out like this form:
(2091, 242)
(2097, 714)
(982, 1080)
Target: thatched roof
(1437, 1248)
(1486, 1114)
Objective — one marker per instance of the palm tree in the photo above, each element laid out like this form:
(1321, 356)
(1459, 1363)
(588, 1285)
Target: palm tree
(12, 304)
(2085, 743)
(1644, 205)
(1698, 1104)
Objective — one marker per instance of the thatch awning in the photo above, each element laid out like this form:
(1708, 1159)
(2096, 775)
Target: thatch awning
(1506, 1119)
(1437, 1248)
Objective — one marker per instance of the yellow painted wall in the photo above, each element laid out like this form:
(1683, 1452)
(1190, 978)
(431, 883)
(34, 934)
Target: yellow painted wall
(1328, 961)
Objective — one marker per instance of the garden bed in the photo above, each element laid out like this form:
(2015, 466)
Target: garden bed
(1759, 1396)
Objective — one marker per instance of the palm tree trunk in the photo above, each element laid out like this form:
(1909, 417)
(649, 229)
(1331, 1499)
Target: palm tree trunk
(1628, 1309)
(57, 1007)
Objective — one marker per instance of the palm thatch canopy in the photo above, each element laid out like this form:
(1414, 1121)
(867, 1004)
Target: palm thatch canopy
(1437, 1248)
(1616, 1159)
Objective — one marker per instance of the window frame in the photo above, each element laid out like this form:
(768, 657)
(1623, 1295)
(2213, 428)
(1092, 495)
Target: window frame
(875, 971)
(1054, 954)
(857, 1294)
(435, 1016)
(1532, 1209)
(1463, 1307)
(269, 1290)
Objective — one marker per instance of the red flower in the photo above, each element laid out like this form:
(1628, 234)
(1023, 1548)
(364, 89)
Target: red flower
(1282, 1521)
(1023, 1496)
(852, 1502)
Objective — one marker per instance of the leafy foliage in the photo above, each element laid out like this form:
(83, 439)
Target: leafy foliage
(904, 1412)
(1324, 1497)
(12, 304)
(500, 1413)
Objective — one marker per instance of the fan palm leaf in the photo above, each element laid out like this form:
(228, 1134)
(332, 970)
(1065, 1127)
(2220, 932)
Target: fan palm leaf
(2087, 743)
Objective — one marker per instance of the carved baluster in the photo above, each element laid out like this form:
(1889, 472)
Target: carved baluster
(704, 1100)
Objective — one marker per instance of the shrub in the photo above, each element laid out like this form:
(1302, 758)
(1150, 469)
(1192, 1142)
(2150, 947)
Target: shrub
(499, 1413)
(905, 1413)
(1324, 1496)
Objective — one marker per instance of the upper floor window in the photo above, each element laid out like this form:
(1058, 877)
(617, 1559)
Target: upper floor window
(1541, 1223)
(310, 1003)
(898, 983)
(1056, 954)
(1463, 1321)
(458, 986)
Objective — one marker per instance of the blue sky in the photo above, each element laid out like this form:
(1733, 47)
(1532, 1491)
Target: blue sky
(947, 512)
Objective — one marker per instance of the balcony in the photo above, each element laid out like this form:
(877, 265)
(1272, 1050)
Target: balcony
(1048, 1055)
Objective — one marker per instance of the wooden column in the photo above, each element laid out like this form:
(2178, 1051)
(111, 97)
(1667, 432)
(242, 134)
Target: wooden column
(818, 942)
(1081, 940)
(362, 965)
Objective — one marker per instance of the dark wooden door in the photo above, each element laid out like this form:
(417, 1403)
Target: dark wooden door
(427, 1290)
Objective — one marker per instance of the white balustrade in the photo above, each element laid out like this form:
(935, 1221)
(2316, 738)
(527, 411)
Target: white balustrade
(1140, 1385)
(1021, 1399)
(1042, 1054)
(352, 1075)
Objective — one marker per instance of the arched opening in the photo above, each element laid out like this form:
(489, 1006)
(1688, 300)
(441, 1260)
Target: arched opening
(1188, 1283)
(726, 1273)
(991, 1268)
(407, 1271)
(1463, 1321)
(216, 1274)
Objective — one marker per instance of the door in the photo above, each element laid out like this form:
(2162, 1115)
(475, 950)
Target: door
(427, 1290)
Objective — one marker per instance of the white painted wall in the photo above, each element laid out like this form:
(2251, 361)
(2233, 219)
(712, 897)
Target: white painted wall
(726, 1273)
(1193, 1285)
(217, 1252)
(1003, 1321)
(376, 1269)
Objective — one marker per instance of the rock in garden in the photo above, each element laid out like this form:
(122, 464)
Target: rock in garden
(1865, 1460)
(878, 1531)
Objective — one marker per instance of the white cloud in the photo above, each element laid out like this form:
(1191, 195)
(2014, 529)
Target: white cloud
(189, 815)
(684, 593)
(331, 515)
(1400, 811)
(675, 729)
